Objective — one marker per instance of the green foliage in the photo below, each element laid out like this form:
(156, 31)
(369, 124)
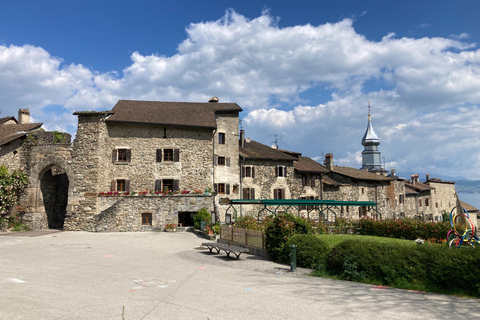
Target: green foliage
(343, 225)
(429, 267)
(403, 229)
(247, 222)
(279, 231)
(311, 250)
(58, 137)
(201, 215)
(11, 185)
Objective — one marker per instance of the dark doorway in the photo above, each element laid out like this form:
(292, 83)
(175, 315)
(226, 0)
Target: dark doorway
(54, 187)
(186, 218)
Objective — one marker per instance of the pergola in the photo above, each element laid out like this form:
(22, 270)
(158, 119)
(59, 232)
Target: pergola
(325, 207)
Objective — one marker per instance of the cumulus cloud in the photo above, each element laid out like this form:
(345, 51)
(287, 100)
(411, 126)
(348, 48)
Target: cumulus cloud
(424, 92)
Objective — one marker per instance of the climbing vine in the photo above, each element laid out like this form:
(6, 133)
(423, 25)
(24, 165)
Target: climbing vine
(11, 185)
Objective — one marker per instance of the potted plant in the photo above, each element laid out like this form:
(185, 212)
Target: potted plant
(209, 229)
(171, 227)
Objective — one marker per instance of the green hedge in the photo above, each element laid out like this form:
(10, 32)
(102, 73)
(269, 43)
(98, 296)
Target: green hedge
(430, 267)
(311, 250)
(403, 229)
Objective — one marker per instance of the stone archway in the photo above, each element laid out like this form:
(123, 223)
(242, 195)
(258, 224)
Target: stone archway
(50, 193)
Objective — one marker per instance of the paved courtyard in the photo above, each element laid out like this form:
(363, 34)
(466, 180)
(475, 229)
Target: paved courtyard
(80, 275)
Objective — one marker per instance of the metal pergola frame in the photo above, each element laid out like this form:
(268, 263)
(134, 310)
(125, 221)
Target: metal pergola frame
(323, 206)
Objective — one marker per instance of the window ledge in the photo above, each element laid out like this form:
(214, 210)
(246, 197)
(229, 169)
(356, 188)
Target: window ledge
(121, 162)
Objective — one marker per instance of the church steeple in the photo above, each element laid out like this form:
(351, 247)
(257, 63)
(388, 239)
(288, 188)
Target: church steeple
(370, 154)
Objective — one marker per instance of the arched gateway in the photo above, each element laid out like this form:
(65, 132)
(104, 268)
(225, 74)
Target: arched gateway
(50, 192)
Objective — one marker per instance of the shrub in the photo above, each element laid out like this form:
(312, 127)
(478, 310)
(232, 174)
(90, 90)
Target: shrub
(311, 250)
(404, 229)
(279, 231)
(247, 222)
(430, 267)
(201, 215)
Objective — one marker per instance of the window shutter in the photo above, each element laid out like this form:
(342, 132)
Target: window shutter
(227, 161)
(216, 160)
(275, 194)
(304, 179)
(176, 155)
(113, 185)
(244, 193)
(252, 193)
(127, 185)
(159, 155)
(227, 188)
(114, 155)
(158, 185)
(129, 155)
(253, 172)
(176, 185)
(284, 171)
(243, 171)
(282, 193)
(276, 171)
(215, 187)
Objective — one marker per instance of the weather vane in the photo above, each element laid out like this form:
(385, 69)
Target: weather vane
(369, 107)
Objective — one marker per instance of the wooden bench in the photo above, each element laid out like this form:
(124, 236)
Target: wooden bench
(237, 251)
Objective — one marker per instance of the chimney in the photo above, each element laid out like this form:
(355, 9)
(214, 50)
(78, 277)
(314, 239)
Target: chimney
(393, 173)
(427, 176)
(242, 138)
(213, 100)
(328, 161)
(23, 116)
(414, 178)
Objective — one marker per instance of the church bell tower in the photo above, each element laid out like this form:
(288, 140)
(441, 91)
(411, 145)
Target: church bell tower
(371, 159)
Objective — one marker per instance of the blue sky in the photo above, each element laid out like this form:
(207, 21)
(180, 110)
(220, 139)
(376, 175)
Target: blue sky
(302, 70)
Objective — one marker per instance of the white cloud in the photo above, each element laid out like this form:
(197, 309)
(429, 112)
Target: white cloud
(425, 92)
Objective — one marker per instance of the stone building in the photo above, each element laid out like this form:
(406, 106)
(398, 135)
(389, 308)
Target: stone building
(165, 150)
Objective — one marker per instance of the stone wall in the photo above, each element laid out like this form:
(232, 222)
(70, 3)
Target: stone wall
(125, 213)
(12, 155)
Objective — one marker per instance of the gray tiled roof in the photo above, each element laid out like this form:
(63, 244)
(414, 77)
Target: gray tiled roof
(187, 114)
(418, 186)
(256, 150)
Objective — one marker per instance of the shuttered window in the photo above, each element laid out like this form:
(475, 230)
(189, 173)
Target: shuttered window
(222, 188)
(121, 155)
(278, 193)
(248, 193)
(120, 185)
(168, 155)
(280, 171)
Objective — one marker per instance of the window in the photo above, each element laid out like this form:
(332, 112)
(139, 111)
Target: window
(120, 185)
(222, 188)
(248, 172)
(146, 219)
(401, 198)
(222, 161)
(278, 193)
(121, 155)
(280, 171)
(363, 191)
(248, 193)
(167, 185)
(168, 155)
(312, 181)
(419, 202)
(426, 202)
(221, 138)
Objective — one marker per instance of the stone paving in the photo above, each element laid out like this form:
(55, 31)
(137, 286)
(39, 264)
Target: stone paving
(149, 275)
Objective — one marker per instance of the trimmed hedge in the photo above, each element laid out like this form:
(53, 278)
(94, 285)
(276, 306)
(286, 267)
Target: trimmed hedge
(311, 250)
(432, 267)
(403, 229)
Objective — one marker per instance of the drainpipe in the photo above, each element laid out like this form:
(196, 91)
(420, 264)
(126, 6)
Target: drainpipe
(213, 167)
(241, 185)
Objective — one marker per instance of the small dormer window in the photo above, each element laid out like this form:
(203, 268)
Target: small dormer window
(280, 171)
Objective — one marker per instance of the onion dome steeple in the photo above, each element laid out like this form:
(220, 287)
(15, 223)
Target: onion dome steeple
(370, 154)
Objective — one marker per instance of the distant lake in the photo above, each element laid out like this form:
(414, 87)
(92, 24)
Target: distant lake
(472, 199)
